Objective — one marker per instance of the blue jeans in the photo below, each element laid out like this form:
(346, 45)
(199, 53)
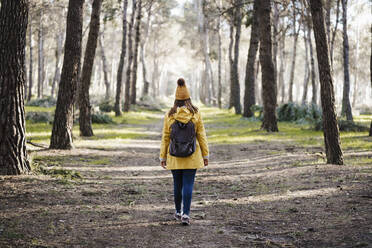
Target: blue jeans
(183, 181)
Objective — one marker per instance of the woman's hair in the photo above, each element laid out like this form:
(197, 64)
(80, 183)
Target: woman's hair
(180, 103)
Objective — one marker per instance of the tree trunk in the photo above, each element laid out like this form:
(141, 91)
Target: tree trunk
(119, 84)
(219, 94)
(63, 119)
(104, 66)
(249, 94)
(130, 59)
(306, 70)
(346, 107)
(235, 72)
(57, 71)
(294, 54)
(314, 98)
(146, 83)
(269, 122)
(85, 118)
(335, 31)
(13, 27)
(30, 69)
(133, 94)
(40, 39)
(231, 62)
(370, 73)
(282, 65)
(330, 127)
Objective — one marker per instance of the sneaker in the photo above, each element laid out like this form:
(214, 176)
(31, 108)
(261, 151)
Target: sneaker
(185, 220)
(177, 216)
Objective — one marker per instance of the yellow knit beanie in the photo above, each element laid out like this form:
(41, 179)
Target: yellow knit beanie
(182, 93)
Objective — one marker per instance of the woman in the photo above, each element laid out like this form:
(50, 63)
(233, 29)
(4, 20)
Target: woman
(184, 148)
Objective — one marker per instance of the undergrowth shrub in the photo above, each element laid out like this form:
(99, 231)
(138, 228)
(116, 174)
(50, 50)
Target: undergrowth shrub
(106, 106)
(300, 113)
(46, 102)
(102, 118)
(39, 117)
(343, 125)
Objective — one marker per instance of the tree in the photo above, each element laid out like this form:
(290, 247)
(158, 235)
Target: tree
(133, 94)
(118, 98)
(58, 53)
(235, 86)
(296, 31)
(13, 28)
(330, 127)
(85, 118)
(104, 66)
(249, 94)
(130, 58)
(370, 74)
(30, 78)
(63, 119)
(269, 122)
(346, 107)
(41, 72)
(146, 83)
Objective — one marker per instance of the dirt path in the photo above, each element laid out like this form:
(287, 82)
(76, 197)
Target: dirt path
(251, 195)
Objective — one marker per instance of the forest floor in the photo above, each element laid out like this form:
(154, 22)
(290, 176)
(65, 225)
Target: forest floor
(260, 190)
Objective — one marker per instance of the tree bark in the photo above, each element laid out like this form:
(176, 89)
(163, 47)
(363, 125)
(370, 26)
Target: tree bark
(346, 106)
(63, 119)
(282, 65)
(119, 84)
(146, 83)
(334, 31)
(249, 94)
(219, 94)
(40, 39)
(133, 94)
(104, 66)
(57, 71)
(231, 62)
(85, 118)
(370, 73)
(235, 90)
(13, 28)
(130, 58)
(306, 69)
(269, 122)
(296, 31)
(30, 68)
(314, 98)
(330, 127)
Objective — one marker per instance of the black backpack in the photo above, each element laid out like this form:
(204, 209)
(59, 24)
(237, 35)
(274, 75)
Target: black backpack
(182, 139)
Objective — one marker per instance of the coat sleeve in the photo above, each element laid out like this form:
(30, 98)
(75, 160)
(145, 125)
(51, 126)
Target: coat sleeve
(165, 140)
(202, 138)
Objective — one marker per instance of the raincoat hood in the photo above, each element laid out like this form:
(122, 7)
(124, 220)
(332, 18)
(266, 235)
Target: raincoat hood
(183, 115)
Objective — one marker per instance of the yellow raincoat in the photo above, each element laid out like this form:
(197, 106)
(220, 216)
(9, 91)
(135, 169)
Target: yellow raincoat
(195, 160)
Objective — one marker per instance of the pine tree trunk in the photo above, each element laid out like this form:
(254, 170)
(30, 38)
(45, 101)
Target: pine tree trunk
(119, 84)
(219, 94)
(30, 68)
(235, 72)
(85, 118)
(269, 122)
(330, 127)
(314, 98)
(13, 28)
(249, 94)
(130, 58)
(104, 66)
(63, 119)
(294, 54)
(306, 70)
(146, 83)
(346, 107)
(334, 31)
(40, 58)
(231, 62)
(57, 71)
(370, 73)
(281, 87)
(133, 94)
